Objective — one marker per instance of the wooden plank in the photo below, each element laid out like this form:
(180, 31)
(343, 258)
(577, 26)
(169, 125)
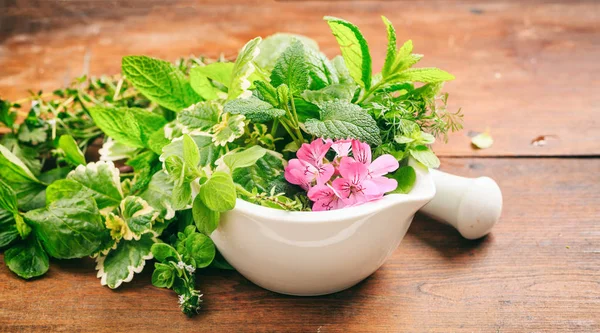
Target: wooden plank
(538, 271)
(523, 69)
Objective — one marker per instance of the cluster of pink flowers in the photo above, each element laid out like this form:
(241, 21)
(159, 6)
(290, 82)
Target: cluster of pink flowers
(345, 181)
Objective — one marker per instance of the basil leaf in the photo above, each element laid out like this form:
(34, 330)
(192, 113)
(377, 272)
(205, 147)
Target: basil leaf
(343, 120)
(130, 126)
(159, 81)
(120, 264)
(242, 69)
(218, 193)
(206, 219)
(73, 154)
(69, 228)
(406, 178)
(425, 156)
(254, 109)
(27, 259)
(355, 50)
(201, 116)
(291, 69)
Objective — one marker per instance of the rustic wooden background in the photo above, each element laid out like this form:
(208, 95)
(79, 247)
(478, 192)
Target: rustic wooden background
(524, 70)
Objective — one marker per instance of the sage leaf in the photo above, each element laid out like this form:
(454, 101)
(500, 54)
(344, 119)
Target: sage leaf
(343, 120)
(27, 259)
(355, 50)
(160, 82)
(68, 228)
(120, 264)
(130, 126)
(218, 193)
(254, 109)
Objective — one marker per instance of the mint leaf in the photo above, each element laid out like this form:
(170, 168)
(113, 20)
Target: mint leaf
(69, 228)
(343, 120)
(130, 126)
(425, 75)
(406, 178)
(218, 193)
(245, 158)
(73, 154)
(267, 92)
(120, 264)
(201, 116)
(145, 165)
(159, 81)
(390, 56)
(27, 259)
(263, 175)
(242, 69)
(341, 91)
(206, 219)
(355, 50)
(425, 156)
(8, 198)
(254, 109)
(291, 69)
(273, 46)
(321, 71)
(218, 71)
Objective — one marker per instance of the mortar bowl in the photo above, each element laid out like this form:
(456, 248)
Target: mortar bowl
(317, 253)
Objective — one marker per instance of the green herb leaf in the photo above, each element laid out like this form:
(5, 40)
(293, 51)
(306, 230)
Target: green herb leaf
(160, 81)
(230, 128)
(425, 75)
(342, 91)
(201, 116)
(191, 156)
(273, 46)
(291, 69)
(254, 109)
(406, 178)
(72, 152)
(217, 71)
(242, 70)
(29, 190)
(163, 275)
(8, 198)
(342, 120)
(99, 180)
(138, 217)
(120, 264)
(200, 248)
(8, 228)
(391, 48)
(218, 193)
(263, 175)
(162, 252)
(145, 165)
(27, 259)
(208, 152)
(355, 50)
(7, 116)
(130, 126)
(267, 92)
(206, 220)
(69, 228)
(425, 156)
(245, 158)
(321, 71)
(159, 193)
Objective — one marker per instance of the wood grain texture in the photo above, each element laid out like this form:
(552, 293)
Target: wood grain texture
(523, 69)
(539, 271)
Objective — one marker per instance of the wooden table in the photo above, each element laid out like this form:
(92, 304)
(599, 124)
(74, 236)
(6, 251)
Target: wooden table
(523, 71)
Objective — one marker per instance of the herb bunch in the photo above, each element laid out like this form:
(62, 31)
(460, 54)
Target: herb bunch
(182, 142)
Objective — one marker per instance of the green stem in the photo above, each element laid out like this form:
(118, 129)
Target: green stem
(371, 91)
(274, 128)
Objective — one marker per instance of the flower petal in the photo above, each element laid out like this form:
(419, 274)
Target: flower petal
(342, 187)
(342, 147)
(324, 173)
(361, 152)
(385, 184)
(352, 170)
(314, 153)
(382, 165)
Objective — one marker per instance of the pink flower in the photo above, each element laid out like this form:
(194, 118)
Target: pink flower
(341, 147)
(310, 167)
(325, 198)
(381, 166)
(354, 184)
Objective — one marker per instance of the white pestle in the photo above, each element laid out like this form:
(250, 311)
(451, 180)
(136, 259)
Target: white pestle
(471, 205)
